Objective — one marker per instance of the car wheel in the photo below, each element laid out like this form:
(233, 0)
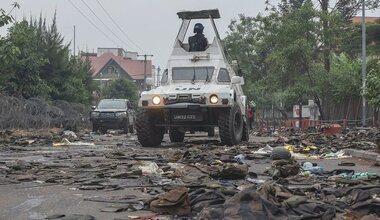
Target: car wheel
(103, 130)
(95, 127)
(231, 126)
(147, 134)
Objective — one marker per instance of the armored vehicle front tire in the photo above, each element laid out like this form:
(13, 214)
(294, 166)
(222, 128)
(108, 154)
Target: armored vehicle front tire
(175, 135)
(231, 125)
(147, 134)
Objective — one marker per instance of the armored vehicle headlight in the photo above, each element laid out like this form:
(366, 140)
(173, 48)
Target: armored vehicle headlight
(214, 99)
(156, 100)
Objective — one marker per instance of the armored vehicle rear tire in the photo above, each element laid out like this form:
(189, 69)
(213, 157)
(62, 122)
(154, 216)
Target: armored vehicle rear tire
(176, 135)
(231, 126)
(147, 134)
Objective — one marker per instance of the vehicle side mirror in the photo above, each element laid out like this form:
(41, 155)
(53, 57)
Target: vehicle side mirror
(93, 107)
(149, 81)
(236, 80)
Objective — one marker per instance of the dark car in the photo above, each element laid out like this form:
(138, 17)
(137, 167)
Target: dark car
(113, 114)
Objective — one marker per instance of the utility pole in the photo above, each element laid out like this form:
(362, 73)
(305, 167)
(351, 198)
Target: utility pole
(74, 41)
(145, 61)
(364, 65)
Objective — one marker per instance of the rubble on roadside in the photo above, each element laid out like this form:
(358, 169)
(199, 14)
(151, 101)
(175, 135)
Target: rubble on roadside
(205, 180)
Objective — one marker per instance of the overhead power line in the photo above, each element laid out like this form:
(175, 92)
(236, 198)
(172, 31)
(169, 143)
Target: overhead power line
(92, 23)
(122, 31)
(105, 25)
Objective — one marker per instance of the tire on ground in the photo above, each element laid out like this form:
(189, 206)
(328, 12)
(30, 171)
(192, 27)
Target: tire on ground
(147, 134)
(230, 123)
(175, 135)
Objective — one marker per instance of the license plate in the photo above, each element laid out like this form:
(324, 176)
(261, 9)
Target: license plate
(186, 117)
(107, 115)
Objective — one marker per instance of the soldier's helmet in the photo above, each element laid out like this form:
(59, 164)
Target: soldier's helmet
(198, 27)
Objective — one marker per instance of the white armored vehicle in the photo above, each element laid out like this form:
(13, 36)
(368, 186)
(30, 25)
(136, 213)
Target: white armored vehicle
(199, 91)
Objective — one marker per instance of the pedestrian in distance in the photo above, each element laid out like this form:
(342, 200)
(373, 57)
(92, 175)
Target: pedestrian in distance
(250, 111)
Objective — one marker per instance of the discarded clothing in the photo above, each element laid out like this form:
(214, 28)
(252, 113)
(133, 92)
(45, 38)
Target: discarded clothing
(201, 198)
(312, 210)
(234, 171)
(174, 202)
(247, 204)
(283, 168)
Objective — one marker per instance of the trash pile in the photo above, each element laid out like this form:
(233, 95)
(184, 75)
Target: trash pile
(281, 178)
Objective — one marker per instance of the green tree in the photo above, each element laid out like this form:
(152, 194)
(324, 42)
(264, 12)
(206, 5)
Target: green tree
(372, 92)
(79, 86)
(6, 18)
(351, 44)
(373, 83)
(68, 77)
(36, 62)
(122, 89)
(293, 53)
(22, 76)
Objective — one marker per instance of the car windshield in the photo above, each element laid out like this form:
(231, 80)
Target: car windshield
(112, 104)
(192, 73)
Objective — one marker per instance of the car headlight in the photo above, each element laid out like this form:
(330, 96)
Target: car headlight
(214, 99)
(156, 100)
(95, 114)
(121, 114)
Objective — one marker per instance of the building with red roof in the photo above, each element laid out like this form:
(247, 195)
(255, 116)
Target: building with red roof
(112, 63)
(358, 19)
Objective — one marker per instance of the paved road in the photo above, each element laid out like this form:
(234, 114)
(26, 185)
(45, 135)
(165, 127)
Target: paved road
(30, 200)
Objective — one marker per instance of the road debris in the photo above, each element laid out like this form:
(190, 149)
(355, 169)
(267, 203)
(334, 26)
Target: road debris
(203, 178)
